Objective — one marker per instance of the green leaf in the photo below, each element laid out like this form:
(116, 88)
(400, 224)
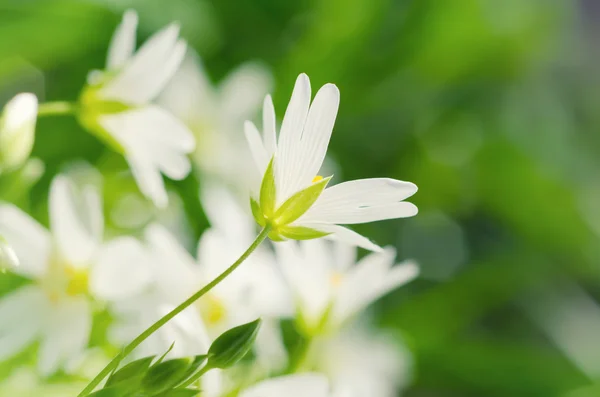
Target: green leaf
(299, 203)
(133, 369)
(256, 212)
(165, 375)
(300, 233)
(161, 358)
(180, 393)
(232, 345)
(267, 192)
(111, 392)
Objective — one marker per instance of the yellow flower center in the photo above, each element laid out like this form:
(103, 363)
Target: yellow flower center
(77, 283)
(336, 279)
(64, 279)
(317, 178)
(213, 310)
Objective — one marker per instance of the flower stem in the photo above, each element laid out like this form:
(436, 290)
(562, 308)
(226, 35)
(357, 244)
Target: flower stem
(141, 337)
(56, 108)
(298, 359)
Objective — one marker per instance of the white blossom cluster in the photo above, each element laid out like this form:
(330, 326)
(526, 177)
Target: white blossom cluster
(156, 107)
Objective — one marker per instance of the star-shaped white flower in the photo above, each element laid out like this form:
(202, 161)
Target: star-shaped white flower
(116, 106)
(331, 287)
(254, 290)
(214, 113)
(67, 267)
(294, 200)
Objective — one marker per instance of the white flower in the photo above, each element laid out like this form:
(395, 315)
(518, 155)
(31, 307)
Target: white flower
(216, 115)
(362, 363)
(329, 285)
(17, 130)
(116, 106)
(254, 290)
(293, 197)
(297, 385)
(65, 267)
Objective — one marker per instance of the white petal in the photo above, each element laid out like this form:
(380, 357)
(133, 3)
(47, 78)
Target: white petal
(316, 134)
(29, 240)
(122, 43)
(21, 313)
(189, 95)
(370, 279)
(66, 334)
(175, 269)
(122, 269)
(147, 72)
(306, 269)
(299, 385)
(149, 180)
(361, 201)
(288, 149)
(255, 143)
(20, 112)
(242, 92)
(72, 234)
(340, 233)
(154, 141)
(226, 215)
(269, 126)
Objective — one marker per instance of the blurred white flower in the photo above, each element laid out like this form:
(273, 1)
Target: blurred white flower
(216, 115)
(17, 130)
(362, 363)
(254, 290)
(66, 267)
(294, 199)
(297, 385)
(116, 106)
(330, 286)
(8, 257)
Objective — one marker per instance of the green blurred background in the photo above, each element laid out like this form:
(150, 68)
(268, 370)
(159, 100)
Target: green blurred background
(490, 107)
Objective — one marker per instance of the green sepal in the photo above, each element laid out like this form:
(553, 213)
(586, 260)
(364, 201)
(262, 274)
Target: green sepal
(257, 213)
(299, 203)
(231, 346)
(268, 192)
(300, 233)
(275, 236)
(165, 375)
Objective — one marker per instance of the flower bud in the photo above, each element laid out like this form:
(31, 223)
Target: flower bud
(8, 258)
(17, 130)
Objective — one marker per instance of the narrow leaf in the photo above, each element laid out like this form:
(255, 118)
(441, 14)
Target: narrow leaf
(180, 393)
(232, 345)
(131, 370)
(165, 375)
(191, 371)
(299, 203)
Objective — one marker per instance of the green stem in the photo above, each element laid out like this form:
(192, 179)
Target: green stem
(195, 377)
(141, 337)
(56, 108)
(300, 355)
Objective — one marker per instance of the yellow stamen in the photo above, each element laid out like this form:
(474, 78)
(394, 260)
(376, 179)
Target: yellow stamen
(77, 281)
(214, 310)
(336, 279)
(317, 178)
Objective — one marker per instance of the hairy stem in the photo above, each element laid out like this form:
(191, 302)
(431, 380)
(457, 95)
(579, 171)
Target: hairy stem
(141, 337)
